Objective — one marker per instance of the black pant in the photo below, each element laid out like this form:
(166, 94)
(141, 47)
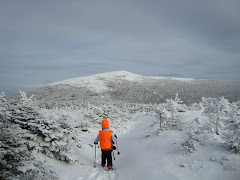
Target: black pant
(107, 155)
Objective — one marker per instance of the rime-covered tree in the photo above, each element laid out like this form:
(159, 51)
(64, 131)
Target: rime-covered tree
(197, 134)
(161, 115)
(174, 108)
(4, 105)
(232, 137)
(216, 109)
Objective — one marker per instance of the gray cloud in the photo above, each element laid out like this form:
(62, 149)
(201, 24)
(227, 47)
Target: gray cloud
(56, 40)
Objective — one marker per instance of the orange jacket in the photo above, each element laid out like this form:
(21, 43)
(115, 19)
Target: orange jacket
(105, 140)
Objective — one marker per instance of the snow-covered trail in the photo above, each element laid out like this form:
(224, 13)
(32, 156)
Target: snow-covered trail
(141, 157)
(145, 155)
(148, 155)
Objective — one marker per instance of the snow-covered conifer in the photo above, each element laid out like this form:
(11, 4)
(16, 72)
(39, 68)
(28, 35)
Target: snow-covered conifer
(27, 101)
(161, 115)
(197, 134)
(216, 109)
(174, 111)
(4, 105)
(232, 136)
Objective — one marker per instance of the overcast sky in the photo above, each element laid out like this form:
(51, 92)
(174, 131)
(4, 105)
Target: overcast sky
(50, 40)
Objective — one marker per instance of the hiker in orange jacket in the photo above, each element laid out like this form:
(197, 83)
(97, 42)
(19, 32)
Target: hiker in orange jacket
(107, 139)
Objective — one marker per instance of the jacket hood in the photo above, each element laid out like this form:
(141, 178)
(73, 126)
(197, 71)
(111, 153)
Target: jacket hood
(105, 124)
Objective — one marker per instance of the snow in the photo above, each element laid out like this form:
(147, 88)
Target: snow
(183, 79)
(97, 82)
(156, 156)
(56, 142)
(174, 78)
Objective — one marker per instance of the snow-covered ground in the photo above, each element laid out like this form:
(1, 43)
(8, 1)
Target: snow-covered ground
(147, 154)
(51, 136)
(98, 82)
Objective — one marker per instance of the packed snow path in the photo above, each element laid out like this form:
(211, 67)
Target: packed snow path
(145, 154)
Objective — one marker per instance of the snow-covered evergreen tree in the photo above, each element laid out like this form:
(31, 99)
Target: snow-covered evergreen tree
(216, 109)
(232, 137)
(197, 134)
(25, 132)
(4, 105)
(16, 159)
(174, 111)
(161, 115)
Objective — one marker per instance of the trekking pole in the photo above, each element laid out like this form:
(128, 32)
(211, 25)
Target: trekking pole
(113, 156)
(95, 156)
(117, 144)
(117, 148)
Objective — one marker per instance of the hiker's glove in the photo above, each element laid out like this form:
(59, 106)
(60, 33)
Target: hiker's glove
(115, 136)
(95, 143)
(114, 148)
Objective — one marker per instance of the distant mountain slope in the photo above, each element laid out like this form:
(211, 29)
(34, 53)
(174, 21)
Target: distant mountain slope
(99, 82)
(122, 86)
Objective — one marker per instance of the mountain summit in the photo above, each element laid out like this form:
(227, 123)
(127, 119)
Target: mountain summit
(97, 82)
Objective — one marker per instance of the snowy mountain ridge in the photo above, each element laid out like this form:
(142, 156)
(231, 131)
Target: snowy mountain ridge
(126, 87)
(97, 82)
